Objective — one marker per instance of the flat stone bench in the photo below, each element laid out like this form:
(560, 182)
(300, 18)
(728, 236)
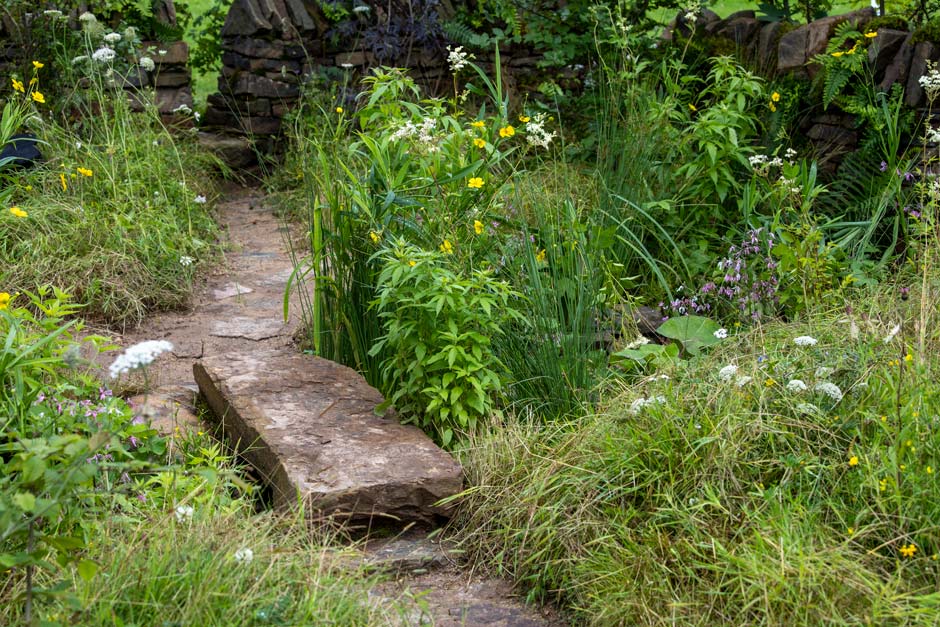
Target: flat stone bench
(308, 425)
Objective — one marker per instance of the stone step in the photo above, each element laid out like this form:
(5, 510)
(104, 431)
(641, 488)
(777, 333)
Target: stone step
(308, 425)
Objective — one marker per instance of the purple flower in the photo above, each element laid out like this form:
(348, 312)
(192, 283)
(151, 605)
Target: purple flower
(133, 441)
(884, 166)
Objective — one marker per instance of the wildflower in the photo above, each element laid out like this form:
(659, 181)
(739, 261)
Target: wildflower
(930, 82)
(138, 356)
(84, 171)
(112, 38)
(853, 461)
(347, 66)
(339, 109)
(883, 485)
(871, 34)
(908, 550)
(805, 340)
(478, 227)
(893, 332)
(65, 186)
(475, 183)
(540, 256)
(537, 134)
(743, 380)
(19, 213)
(375, 237)
(692, 108)
(87, 17)
(823, 372)
(775, 97)
(18, 85)
(446, 247)
(244, 555)
(908, 358)
(147, 64)
(80, 59)
(161, 52)
(728, 372)
(457, 58)
(183, 109)
(184, 513)
(837, 54)
(829, 389)
(772, 107)
(412, 263)
(850, 531)
(477, 124)
(479, 143)
(524, 118)
(721, 333)
(38, 97)
(103, 55)
(52, 13)
(507, 131)
(200, 199)
(807, 408)
(929, 470)
(5, 299)
(638, 405)
(186, 261)
(796, 386)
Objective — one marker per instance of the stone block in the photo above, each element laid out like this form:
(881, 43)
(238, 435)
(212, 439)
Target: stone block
(244, 84)
(309, 426)
(791, 52)
(883, 49)
(900, 65)
(300, 17)
(263, 49)
(924, 53)
(176, 78)
(245, 18)
(175, 52)
(767, 46)
(740, 30)
(355, 58)
(235, 152)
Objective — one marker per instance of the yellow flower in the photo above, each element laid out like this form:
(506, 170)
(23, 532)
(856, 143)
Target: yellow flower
(18, 85)
(894, 362)
(851, 530)
(475, 183)
(692, 108)
(773, 107)
(775, 97)
(478, 227)
(769, 382)
(412, 263)
(838, 54)
(5, 300)
(38, 97)
(524, 118)
(929, 470)
(883, 485)
(19, 213)
(38, 65)
(908, 550)
(65, 186)
(447, 248)
(908, 358)
(375, 237)
(853, 461)
(540, 256)
(28, 188)
(339, 109)
(479, 143)
(84, 171)
(507, 131)
(478, 124)
(33, 81)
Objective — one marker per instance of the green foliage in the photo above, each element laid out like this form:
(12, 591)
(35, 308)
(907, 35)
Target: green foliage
(693, 332)
(439, 329)
(204, 27)
(842, 62)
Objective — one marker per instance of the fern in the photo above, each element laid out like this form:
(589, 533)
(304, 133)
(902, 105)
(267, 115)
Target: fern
(462, 34)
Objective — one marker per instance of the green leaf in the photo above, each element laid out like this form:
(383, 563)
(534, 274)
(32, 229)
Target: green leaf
(87, 570)
(25, 501)
(694, 332)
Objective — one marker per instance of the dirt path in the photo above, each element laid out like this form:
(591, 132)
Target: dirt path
(239, 308)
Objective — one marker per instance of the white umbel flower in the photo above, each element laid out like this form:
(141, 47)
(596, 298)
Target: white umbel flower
(829, 389)
(797, 386)
(743, 380)
(147, 64)
(805, 340)
(112, 38)
(727, 373)
(457, 58)
(244, 555)
(200, 199)
(184, 513)
(138, 356)
(638, 405)
(103, 54)
(721, 333)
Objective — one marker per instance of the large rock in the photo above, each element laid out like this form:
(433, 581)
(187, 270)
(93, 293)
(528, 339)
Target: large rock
(245, 18)
(309, 426)
(924, 53)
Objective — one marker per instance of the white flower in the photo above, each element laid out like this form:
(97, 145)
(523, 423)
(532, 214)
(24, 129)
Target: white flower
(797, 386)
(80, 59)
(186, 261)
(807, 408)
(147, 64)
(728, 372)
(536, 133)
(78, 145)
(87, 17)
(112, 38)
(829, 389)
(721, 333)
(138, 356)
(183, 109)
(161, 52)
(823, 372)
(457, 58)
(743, 380)
(184, 513)
(789, 154)
(346, 66)
(805, 340)
(52, 13)
(930, 82)
(103, 55)
(244, 555)
(893, 332)
(640, 340)
(130, 33)
(196, 116)
(638, 405)
(200, 199)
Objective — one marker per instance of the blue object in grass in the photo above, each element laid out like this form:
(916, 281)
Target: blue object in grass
(20, 152)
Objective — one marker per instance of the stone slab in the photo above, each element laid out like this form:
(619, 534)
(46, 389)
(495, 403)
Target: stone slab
(231, 289)
(249, 328)
(309, 426)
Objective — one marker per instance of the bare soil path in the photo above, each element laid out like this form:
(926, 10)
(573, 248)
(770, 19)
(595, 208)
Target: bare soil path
(239, 308)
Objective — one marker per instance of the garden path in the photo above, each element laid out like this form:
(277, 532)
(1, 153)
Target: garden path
(238, 308)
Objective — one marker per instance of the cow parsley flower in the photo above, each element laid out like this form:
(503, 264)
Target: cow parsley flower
(147, 64)
(743, 380)
(112, 38)
(186, 261)
(721, 333)
(103, 55)
(200, 199)
(87, 17)
(244, 555)
(796, 386)
(805, 340)
(184, 513)
(807, 408)
(536, 133)
(638, 405)
(823, 372)
(138, 356)
(727, 373)
(829, 389)
(892, 333)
